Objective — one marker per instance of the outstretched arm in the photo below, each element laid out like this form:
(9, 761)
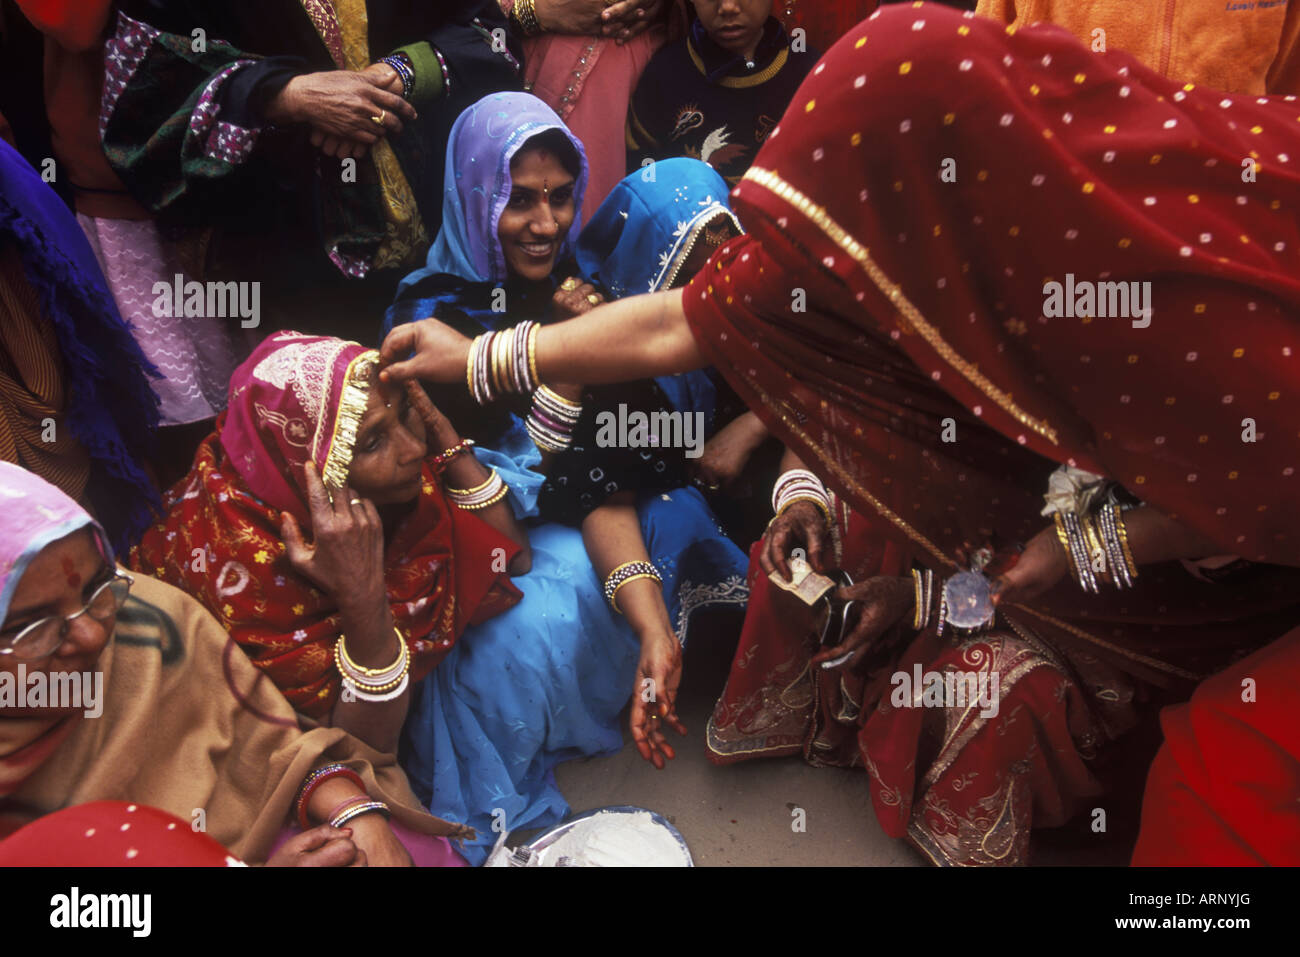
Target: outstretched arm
(634, 338)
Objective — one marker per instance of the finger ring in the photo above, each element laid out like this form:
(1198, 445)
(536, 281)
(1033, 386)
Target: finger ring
(569, 284)
(379, 120)
(593, 299)
(355, 501)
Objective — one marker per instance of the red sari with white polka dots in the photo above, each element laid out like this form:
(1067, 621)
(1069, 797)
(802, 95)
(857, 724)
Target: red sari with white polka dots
(888, 316)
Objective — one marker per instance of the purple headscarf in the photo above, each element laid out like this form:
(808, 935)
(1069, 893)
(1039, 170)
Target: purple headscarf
(33, 513)
(477, 185)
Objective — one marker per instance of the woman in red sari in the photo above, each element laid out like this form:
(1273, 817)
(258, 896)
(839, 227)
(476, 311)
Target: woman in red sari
(893, 288)
(312, 446)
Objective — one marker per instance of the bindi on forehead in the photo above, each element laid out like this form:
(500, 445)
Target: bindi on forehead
(70, 573)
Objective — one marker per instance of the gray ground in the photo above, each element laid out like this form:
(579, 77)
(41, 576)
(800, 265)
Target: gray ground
(742, 814)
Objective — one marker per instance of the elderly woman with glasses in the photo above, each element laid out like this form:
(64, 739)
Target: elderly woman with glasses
(115, 687)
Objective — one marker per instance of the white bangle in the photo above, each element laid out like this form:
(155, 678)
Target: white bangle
(350, 685)
(798, 482)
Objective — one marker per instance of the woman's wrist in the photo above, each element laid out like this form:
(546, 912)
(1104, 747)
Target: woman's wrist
(368, 627)
(282, 109)
(328, 795)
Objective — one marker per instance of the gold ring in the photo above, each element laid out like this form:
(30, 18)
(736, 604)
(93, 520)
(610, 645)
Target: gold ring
(379, 120)
(593, 299)
(569, 284)
(355, 501)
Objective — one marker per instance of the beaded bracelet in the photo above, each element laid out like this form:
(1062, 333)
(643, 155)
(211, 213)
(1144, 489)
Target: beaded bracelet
(441, 460)
(402, 67)
(314, 779)
(627, 572)
(446, 73)
(364, 807)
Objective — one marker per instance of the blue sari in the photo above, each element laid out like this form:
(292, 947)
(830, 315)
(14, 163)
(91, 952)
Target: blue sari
(641, 237)
(546, 681)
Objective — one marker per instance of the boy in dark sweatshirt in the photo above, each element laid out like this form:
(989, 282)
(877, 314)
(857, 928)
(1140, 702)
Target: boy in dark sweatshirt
(717, 94)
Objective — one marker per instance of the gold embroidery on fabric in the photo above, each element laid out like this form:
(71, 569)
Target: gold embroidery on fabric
(851, 482)
(741, 82)
(404, 227)
(957, 737)
(693, 231)
(823, 221)
(326, 22)
(1117, 649)
(352, 408)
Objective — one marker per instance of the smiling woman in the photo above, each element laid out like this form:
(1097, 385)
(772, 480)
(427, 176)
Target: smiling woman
(542, 204)
(181, 720)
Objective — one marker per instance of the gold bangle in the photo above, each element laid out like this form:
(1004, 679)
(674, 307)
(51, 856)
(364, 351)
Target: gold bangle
(618, 568)
(375, 689)
(499, 348)
(561, 400)
(532, 353)
(821, 506)
(469, 366)
(613, 596)
(363, 686)
(1094, 545)
(918, 595)
(500, 494)
(401, 653)
(475, 490)
(1064, 539)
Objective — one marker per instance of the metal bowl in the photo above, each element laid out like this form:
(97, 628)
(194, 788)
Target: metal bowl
(539, 845)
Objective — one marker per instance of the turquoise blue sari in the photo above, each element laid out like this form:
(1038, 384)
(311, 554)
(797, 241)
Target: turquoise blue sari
(546, 681)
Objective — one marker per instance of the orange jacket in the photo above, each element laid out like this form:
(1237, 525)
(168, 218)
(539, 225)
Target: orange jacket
(1239, 46)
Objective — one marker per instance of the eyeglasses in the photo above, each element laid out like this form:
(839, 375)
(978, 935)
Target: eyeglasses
(42, 637)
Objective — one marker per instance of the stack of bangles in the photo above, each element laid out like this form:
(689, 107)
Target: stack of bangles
(503, 362)
(374, 684)
(401, 65)
(552, 421)
(314, 780)
(355, 806)
(1096, 547)
(627, 572)
(480, 496)
(800, 485)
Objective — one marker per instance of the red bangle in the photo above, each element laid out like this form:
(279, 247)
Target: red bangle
(314, 779)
